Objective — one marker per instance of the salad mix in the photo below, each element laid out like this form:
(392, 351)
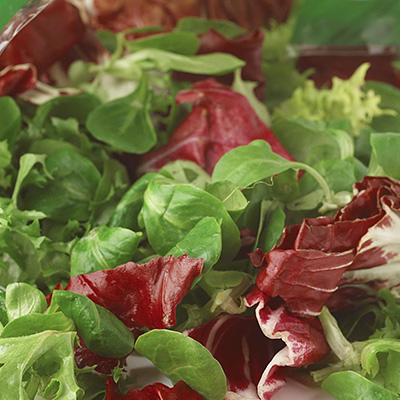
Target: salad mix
(172, 185)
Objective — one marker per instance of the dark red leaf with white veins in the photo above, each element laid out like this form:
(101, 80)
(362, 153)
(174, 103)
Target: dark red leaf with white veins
(17, 79)
(241, 348)
(304, 339)
(330, 260)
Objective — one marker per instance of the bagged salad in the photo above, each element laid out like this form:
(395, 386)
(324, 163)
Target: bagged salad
(198, 184)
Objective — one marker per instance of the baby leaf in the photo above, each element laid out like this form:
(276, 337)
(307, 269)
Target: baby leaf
(103, 248)
(348, 385)
(171, 210)
(206, 64)
(200, 25)
(186, 43)
(69, 194)
(232, 198)
(180, 357)
(102, 332)
(10, 119)
(203, 241)
(23, 299)
(128, 208)
(125, 123)
(248, 164)
(383, 145)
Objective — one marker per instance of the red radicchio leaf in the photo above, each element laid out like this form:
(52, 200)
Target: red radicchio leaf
(57, 34)
(304, 339)
(250, 14)
(47, 38)
(17, 79)
(328, 260)
(156, 391)
(356, 249)
(144, 295)
(119, 15)
(241, 348)
(220, 121)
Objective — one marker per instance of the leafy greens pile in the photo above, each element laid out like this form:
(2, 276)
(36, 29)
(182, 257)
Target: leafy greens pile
(157, 198)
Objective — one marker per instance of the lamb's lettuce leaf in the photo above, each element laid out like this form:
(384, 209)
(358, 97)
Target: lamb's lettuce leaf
(202, 241)
(103, 248)
(200, 26)
(70, 191)
(383, 155)
(10, 117)
(181, 358)
(125, 123)
(155, 59)
(185, 43)
(102, 332)
(255, 162)
(127, 210)
(23, 299)
(171, 210)
(349, 385)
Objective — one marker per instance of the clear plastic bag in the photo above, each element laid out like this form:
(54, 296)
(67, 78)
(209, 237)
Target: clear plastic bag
(21, 18)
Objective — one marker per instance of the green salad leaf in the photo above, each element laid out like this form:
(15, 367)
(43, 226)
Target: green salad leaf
(102, 332)
(127, 210)
(182, 358)
(150, 59)
(70, 191)
(39, 364)
(346, 100)
(185, 43)
(23, 299)
(10, 120)
(348, 385)
(200, 26)
(103, 248)
(125, 123)
(171, 210)
(33, 323)
(204, 241)
(383, 155)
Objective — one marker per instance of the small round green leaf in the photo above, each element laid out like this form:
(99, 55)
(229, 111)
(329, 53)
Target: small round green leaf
(180, 357)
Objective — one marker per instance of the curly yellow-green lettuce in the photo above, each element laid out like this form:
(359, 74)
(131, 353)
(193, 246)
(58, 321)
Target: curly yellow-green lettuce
(345, 100)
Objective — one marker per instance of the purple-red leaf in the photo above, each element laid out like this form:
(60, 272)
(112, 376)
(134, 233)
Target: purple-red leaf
(17, 79)
(241, 348)
(220, 121)
(144, 295)
(156, 391)
(357, 248)
(304, 339)
(47, 38)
